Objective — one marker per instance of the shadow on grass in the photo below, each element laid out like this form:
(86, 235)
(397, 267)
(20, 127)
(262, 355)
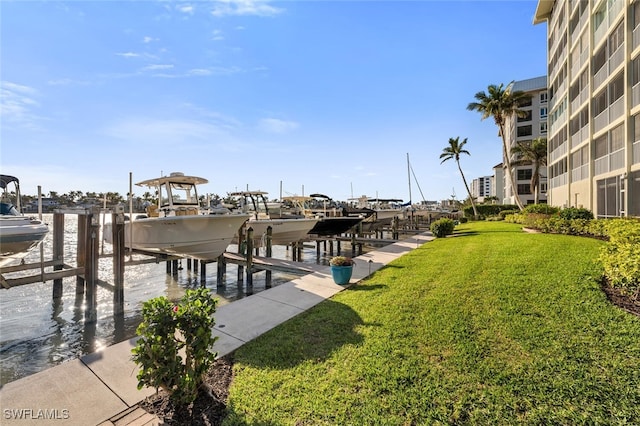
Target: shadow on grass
(367, 287)
(312, 335)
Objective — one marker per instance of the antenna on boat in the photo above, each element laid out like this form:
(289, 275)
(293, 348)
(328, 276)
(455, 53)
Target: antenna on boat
(409, 178)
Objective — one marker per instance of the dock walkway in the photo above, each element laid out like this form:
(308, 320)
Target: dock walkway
(101, 388)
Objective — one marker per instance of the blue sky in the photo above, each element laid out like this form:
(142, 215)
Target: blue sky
(291, 96)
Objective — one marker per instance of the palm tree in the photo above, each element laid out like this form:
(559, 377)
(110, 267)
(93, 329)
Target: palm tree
(502, 102)
(534, 153)
(453, 151)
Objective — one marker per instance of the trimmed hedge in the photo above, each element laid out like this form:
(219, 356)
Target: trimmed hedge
(442, 227)
(485, 210)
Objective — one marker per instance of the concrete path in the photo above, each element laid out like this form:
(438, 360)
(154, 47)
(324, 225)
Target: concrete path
(101, 388)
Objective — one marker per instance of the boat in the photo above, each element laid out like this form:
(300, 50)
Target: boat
(18, 233)
(384, 210)
(177, 225)
(334, 219)
(285, 229)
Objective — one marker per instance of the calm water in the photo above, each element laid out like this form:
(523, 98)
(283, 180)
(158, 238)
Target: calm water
(37, 332)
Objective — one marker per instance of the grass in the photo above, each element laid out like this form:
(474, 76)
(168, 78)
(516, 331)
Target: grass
(491, 326)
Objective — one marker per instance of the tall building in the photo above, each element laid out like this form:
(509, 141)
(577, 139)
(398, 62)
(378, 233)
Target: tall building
(594, 104)
(524, 130)
(482, 188)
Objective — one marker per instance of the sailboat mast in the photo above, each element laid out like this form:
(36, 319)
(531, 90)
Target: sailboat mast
(409, 177)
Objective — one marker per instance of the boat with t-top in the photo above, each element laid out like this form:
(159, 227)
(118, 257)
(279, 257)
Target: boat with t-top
(177, 224)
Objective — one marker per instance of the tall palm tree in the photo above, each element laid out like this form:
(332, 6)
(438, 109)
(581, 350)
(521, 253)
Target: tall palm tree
(534, 153)
(453, 151)
(501, 102)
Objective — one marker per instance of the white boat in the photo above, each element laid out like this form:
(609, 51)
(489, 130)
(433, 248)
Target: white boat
(18, 233)
(283, 230)
(384, 211)
(177, 225)
(333, 219)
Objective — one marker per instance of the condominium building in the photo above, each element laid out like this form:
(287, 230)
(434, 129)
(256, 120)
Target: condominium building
(482, 188)
(594, 104)
(524, 130)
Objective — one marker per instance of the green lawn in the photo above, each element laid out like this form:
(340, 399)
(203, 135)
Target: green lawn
(490, 326)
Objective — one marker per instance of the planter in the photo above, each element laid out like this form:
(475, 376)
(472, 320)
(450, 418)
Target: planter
(341, 274)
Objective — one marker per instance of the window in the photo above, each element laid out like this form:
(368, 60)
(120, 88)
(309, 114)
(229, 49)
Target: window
(526, 116)
(524, 131)
(543, 127)
(524, 189)
(543, 112)
(525, 174)
(543, 98)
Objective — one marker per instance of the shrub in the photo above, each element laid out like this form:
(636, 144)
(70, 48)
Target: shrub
(485, 210)
(341, 261)
(505, 213)
(442, 227)
(575, 213)
(463, 220)
(168, 332)
(540, 209)
(620, 257)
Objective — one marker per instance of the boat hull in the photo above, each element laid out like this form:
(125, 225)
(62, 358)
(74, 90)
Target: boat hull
(283, 231)
(20, 234)
(203, 237)
(334, 225)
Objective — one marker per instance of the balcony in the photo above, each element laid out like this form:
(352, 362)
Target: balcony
(557, 153)
(558, 181)
(609, 115)
(609, 163)
(579, 137)
(580, 173)
(636, 37)
(582, 22)
(636, 152)
(635, 95)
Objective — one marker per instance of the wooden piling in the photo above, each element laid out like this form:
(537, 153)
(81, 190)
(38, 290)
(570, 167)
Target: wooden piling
(269, 253)
(119, 250)
(250, 257)
(221, 270)
(58, 251)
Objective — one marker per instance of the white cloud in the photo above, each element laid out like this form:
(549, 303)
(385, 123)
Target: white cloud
(275, 125)
(148, 39)
(217, 35)
(244, 7)
(128, 55)
(17, 103)
(155, 67)
(186, 8)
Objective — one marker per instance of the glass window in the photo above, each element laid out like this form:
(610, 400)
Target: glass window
(543, 97)
(524, 130)
(525, 174)
(543, 127)
(617, 138)
(543, 112)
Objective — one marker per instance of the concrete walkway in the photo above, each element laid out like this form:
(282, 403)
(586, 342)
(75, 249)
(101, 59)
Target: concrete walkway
(101, 388)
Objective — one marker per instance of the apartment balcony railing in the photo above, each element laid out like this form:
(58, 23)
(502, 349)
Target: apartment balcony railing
(579, 62)
(615, 60)
(579, 137)
(615, 7)
(636, 152)
(609, 115)
(558, 181)
(560, 151)
(636, 37)
(579, 100)
(608, 163)
(580, 173)
(599, 34)
(582, 22)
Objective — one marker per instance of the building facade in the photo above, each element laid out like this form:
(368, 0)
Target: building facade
(594, 104)
(524, 130)
(482, 188)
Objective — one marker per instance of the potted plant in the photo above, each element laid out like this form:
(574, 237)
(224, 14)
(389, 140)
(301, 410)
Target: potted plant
(341, 269)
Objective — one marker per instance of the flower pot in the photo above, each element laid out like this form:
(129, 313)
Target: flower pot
(341, 274)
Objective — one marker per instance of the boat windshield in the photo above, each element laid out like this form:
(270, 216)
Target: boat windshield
(178, 194)
(8, 209)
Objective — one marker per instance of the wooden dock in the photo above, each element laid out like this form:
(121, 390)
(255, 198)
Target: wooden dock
(273, 264)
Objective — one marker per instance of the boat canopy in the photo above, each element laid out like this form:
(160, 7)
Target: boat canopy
(5, 180)
(175, 177)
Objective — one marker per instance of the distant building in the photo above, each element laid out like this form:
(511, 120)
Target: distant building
(524, 130)
(482, 188)
(594, 104)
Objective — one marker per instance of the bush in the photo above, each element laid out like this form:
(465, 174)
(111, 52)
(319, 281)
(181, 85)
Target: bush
(540, 209)
(463, 220)
(620, 257)
(485, 210)
(505, 213)
(575, 213)
(169, 331)
(442, 227)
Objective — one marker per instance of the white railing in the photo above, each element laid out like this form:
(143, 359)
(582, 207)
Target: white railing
(580, 136)
(580, 173)
(600, 76)
(558, 152)
(636, 37)
(601, 121)
(600, 32)
(616, 59)
(614, 9)
(616, 160)
(558, 181)
(635, 95)
(601, 165)
(636, 152)
(562, 88)
(616, 109)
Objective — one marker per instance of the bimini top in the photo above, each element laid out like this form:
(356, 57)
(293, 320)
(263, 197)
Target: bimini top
(247, 193)
(6, 180)
(175, 177)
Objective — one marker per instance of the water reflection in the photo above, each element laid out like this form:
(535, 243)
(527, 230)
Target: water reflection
(37, 331)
